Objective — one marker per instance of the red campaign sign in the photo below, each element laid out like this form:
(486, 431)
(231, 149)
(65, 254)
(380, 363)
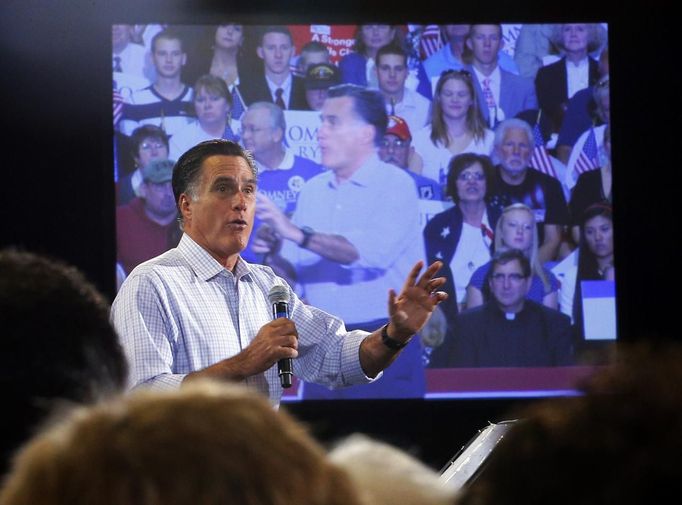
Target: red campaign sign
(339, 39)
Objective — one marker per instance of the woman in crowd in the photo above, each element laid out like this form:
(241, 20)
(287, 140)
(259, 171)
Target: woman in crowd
(457, 126)
(516, 229)
(358, 67)
(462, 236)
(595, 260)
(220, 51)
(593, 186)
(213, 104)
(147, 143)
(227, 45)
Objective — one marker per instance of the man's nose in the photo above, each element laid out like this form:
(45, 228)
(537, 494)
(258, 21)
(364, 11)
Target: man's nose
(322, 132)
(240, 201)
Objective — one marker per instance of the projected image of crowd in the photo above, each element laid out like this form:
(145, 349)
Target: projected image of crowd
(487, 147)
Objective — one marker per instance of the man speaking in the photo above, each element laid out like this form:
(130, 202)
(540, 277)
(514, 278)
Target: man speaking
(200, 310)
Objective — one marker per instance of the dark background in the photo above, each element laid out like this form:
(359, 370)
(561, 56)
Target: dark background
(58, 193)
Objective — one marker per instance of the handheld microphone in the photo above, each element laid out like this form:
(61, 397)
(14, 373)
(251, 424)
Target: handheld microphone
(279, 298)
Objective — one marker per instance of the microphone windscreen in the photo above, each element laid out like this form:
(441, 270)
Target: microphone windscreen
(278, 294)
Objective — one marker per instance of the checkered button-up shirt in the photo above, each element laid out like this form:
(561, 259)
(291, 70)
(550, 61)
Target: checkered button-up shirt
(182, 311)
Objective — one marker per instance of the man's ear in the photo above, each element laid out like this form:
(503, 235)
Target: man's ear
(259, 52)
(367, 133)
(278, 135)
(185, 207)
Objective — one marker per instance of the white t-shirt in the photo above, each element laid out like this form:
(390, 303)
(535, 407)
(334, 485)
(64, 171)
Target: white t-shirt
(471, 253)
(436, 158)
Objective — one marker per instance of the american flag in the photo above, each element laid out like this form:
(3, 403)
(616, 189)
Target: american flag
(430, 41)
(117, 107)
(589, 156)
(540, 159)
(238, 107)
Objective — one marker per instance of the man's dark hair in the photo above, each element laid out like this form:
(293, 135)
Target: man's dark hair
(368, 105)
(144, 132)
(59, 346)
(391, 48)
(314, 47)
(460, 163)
(273, 29)
(504, 257)
(187, 170)
(168, 34)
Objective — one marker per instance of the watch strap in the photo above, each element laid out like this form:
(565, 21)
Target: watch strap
(389, 342)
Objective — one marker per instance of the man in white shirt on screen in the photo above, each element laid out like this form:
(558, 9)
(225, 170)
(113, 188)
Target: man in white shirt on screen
(392, 72)
(355, 231)
(167, 103)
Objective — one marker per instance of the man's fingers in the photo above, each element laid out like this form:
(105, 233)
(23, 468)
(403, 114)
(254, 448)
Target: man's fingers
(391, 302)
(412, 276)
(434, 284)
(428, 274)
(439, 296)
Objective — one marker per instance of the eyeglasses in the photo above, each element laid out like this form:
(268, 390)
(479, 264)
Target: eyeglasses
(471, 176)
(146, 146)
(500, 277)
(396, 144)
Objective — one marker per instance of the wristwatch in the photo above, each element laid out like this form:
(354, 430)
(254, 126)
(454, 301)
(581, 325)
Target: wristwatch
(307, 233)
(389, 342)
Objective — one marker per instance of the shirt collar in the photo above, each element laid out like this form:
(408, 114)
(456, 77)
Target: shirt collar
(366, 175)
(286, 85)
(287, 163)
(494, 76)
(450, 57)
(581, 64)
(204, 265)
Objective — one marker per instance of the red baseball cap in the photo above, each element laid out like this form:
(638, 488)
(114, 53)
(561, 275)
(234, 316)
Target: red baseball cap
(398, 126)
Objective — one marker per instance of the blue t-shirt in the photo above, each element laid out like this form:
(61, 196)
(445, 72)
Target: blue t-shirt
(283, 188)
(427, 189)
